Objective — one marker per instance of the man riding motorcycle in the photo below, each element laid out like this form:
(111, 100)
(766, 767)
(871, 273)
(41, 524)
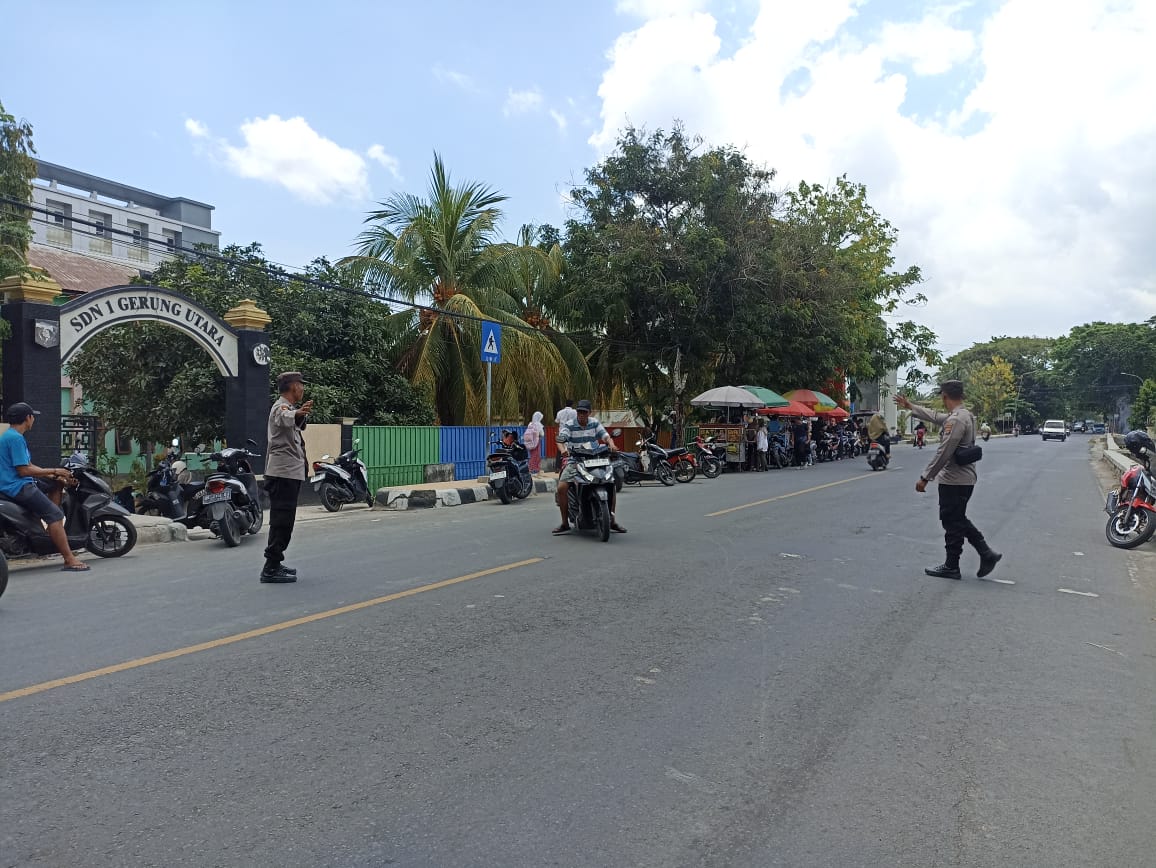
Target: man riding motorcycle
(584, 430)
(877, 432)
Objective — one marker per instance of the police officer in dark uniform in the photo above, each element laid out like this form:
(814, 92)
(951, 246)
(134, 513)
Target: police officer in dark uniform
(956, 481)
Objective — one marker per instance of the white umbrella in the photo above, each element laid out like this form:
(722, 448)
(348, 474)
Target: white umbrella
(727, 396)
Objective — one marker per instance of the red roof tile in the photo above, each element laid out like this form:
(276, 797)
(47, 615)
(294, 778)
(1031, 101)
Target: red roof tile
(77, 273)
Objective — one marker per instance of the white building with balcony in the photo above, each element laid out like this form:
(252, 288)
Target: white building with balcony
(114, 222)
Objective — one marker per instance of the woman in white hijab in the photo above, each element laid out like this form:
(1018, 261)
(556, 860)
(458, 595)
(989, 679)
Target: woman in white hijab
(533, 442)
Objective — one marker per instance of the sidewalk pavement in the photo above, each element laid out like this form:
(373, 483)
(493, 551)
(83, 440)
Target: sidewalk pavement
(439, 494)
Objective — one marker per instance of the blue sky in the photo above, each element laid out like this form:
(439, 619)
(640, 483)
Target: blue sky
(1009, 144)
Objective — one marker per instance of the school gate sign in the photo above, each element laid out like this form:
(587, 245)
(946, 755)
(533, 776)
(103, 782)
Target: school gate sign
(46, 336)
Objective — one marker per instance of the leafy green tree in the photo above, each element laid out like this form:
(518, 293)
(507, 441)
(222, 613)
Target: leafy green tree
(1144, 407)
(17, 169)
(151, 382)
(1091, 358)
(443, 251)
(990, 387)
(684, 254)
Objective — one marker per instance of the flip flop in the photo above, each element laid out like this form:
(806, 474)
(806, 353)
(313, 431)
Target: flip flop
(561, 529)
(75, 568)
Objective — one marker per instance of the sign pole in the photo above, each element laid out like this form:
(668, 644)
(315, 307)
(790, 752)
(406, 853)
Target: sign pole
(489, 393)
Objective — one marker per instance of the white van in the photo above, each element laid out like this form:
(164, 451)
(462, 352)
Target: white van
(1055, 429)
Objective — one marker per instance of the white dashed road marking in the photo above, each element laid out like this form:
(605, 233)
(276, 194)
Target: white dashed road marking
(1077, 593)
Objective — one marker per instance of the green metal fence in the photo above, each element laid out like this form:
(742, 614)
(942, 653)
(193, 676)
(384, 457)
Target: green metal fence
(396, 455)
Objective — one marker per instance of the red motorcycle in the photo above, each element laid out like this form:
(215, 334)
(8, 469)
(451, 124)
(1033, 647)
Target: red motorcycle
(1132, 508)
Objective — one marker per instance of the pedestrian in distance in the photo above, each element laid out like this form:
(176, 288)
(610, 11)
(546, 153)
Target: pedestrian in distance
(40, 490)
(762, 444)
(532, 440)
(285, 470)
(567, 415)
(956, 481)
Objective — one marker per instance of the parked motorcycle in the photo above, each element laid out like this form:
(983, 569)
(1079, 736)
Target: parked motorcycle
(705, 454)
(779, 454)
(343, 481)
(678, 459)
(591, 489)
(227, 503)
(509, 466)
(93, 520)
(877, 458)
(165, 487)
(1132, 507)
(650, 463)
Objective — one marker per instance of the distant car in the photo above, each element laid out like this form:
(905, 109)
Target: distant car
(1054, 429)
(1079, 426)
(1099, 428)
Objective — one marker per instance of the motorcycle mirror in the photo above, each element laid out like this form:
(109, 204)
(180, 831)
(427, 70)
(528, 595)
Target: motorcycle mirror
(251, 442)
(617, 432)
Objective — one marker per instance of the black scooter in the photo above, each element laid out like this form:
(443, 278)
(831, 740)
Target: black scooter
(166, 486)
(227, 503)
(343, 481)
(591, 489)
(652, 463)
(93, 520)
(509, 467)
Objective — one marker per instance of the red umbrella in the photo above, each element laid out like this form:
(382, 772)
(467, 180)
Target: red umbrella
(811, 398)
(837, 413)
(792, 409)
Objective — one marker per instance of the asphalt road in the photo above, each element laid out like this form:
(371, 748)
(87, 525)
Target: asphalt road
(773, 685)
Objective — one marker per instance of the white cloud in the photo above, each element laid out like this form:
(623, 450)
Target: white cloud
(458, 79)
(1021, 176)
(377, 153)
(560, 120)
(290, 153)
(519, 102)
(195, 128)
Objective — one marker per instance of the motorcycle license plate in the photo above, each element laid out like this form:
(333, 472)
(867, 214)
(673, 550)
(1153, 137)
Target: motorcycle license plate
(498, 477)
(320, 477)
(216, 498)
(598, 462)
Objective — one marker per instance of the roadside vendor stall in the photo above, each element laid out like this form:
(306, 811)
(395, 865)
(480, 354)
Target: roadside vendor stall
(729, 398)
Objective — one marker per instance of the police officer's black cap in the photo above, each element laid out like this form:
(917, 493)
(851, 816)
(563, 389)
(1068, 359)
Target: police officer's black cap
(951, 388)
(583, 405)
(18, 412)
(287, 379)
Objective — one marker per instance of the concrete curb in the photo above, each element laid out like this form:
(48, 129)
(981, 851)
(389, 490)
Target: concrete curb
(436, 498)
(1112, 454)
(151, 529)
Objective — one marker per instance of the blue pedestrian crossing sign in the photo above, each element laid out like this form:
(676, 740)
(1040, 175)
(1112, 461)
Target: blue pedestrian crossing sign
(491, 342)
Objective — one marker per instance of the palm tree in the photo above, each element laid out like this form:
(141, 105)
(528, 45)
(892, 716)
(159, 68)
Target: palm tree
(443, 252)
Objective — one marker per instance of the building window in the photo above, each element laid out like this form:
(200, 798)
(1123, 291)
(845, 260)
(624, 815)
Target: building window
(138, 250)
(59, 223)
(100, 240)
(123, 443)
(172, 240)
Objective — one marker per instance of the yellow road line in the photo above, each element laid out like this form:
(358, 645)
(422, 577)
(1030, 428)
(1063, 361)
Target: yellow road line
(254, 634)
(781, 497)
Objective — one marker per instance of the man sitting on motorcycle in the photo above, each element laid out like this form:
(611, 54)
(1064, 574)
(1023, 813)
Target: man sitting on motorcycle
(985, 431)
(36, 489)
(920, 434)
(877, 432)
(582, 432)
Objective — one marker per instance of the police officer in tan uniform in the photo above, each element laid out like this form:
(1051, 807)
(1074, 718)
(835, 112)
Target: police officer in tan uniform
(956, 481)
(284, 472)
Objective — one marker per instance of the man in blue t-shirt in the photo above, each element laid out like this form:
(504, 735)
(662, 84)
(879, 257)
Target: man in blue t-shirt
(37, 489)
(583, 431)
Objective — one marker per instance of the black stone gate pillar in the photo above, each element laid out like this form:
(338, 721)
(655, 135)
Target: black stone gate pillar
(32, 360)
(248, 395)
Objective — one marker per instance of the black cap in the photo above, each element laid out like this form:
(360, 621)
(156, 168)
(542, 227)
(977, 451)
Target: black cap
(583, 405)
(18, 412)
(287, 379)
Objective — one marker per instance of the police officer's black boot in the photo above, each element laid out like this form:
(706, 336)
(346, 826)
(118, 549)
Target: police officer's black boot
(987, 559)
(277, 575)
(949, 569)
